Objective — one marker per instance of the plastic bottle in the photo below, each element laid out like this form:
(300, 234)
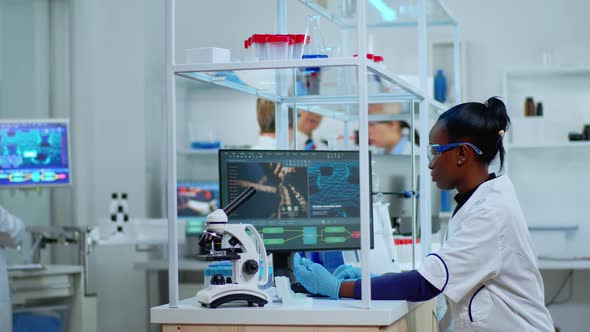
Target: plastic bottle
(529, 107)
(539, 109)
(374, 83)
(440, 86)
(277, 47)
(259, 46)
(298, 46)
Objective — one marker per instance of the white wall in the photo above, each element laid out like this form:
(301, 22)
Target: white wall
(108, 106)
(506, 33)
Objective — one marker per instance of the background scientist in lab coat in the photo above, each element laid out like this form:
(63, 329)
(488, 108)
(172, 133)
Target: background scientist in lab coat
(307, 123)
(389, 136)
(487, 266)
(265, 116)
(11, 232)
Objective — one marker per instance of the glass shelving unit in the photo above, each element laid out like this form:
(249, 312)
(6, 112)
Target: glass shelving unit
(347, 101)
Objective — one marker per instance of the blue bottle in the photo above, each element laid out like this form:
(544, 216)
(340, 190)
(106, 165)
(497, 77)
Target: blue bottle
(440, 86)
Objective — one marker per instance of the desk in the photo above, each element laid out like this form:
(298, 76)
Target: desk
(157, 278)
(324, 315)
(156, 273)
(55, 285)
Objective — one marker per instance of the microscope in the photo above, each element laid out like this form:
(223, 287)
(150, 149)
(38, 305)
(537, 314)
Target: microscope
(242, 245)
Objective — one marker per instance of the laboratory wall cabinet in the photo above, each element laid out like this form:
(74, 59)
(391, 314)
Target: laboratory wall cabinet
(344, 94)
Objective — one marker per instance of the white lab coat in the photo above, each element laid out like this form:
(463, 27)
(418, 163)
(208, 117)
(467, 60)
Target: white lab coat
(487, 268)
(302, 138)
(11, 232)
(265, 143)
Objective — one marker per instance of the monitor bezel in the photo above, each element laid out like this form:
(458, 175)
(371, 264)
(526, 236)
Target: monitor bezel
(66, 122)
(272, 250)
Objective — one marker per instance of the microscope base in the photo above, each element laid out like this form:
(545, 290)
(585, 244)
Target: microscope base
(214, 296)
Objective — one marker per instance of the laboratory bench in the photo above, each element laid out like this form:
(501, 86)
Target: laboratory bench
(191, 273)
(323, 315)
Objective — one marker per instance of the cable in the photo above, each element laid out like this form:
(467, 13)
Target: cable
(571, 290)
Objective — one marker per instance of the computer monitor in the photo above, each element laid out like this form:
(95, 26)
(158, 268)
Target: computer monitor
(35, 153)
(195, 200)
(305, 200)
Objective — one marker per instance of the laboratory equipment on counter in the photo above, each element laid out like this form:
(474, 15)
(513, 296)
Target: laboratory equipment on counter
(232, 242)
(35, 153)
(81, 238)
(274, 46)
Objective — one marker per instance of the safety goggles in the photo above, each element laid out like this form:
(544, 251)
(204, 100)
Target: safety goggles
(435, 150)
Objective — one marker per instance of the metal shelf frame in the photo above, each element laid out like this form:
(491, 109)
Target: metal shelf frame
(408, 93)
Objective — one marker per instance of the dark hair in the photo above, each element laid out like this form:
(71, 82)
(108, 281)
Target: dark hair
(485, 124)
(404, 124)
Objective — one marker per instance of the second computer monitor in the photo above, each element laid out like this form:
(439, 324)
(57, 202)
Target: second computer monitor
(34, 153)
(305, 200)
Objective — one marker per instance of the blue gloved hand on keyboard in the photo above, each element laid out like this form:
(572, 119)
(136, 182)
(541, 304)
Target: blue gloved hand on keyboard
(315, 278)
(347, 272)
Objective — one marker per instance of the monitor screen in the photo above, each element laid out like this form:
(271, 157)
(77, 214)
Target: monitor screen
(196, 198)
(305, 200)
(34, 153)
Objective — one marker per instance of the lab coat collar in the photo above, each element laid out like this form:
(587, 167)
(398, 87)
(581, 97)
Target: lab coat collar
(477, 195)
(461, 199)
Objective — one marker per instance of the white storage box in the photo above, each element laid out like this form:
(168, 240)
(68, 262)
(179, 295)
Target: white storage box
(207, 55)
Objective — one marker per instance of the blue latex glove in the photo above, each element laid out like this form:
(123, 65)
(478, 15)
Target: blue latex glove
(347, 272)
(315, 278)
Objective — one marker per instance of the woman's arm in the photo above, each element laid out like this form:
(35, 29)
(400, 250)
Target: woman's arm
(409, 286)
